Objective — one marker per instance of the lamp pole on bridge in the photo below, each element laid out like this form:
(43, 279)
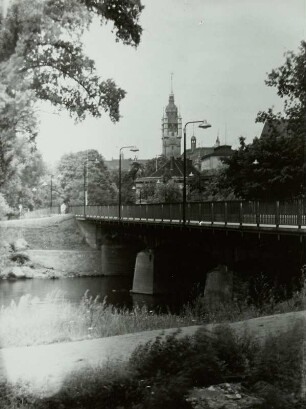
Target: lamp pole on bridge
(132, 149)
(204, 125)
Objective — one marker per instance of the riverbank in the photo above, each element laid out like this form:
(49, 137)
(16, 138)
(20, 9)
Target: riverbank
(49, 247)
(43, 369)
(33, 321)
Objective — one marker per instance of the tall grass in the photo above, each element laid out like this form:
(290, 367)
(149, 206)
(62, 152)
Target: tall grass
(32, 321)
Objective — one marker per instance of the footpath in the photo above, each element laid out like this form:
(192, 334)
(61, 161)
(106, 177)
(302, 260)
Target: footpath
(44, 368)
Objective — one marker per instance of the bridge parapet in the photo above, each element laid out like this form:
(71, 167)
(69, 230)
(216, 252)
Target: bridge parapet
(225, 213)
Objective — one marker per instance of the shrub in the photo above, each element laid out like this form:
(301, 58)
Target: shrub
(236, 352)
(19, 258)
(279, 361)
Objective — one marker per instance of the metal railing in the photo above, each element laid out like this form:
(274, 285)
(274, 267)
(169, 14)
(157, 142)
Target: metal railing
(274, 214)
(41, 212)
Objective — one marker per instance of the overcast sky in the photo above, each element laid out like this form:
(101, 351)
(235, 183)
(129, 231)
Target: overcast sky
(219, 51)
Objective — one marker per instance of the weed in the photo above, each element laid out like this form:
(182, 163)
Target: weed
(32, 321)
(19, 258)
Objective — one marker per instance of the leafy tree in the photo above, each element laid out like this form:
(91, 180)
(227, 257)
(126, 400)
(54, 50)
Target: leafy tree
(85, 167)
(128, 190)
(40, 42)
(210, 187)
(42, 58)
(26, 176)
(273, 166)
(153, 165)
(270, 168)
(169, 192)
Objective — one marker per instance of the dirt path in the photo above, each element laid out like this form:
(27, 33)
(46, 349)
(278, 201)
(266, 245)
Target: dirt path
(44, 368)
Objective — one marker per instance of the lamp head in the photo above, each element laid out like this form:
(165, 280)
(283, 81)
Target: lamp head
(204, 125)
(255, 162)
(134, 149)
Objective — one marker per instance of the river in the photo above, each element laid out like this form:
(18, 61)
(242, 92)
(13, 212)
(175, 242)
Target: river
(115, 289)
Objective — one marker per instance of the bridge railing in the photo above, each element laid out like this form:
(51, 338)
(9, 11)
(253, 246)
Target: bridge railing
(289, 213)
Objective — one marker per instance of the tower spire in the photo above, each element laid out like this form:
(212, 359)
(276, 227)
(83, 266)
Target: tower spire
(171, 83)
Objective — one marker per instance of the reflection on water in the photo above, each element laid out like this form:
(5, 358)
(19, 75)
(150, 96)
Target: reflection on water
(116, 289)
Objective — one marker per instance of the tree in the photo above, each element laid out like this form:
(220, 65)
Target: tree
(41, 48)
(42, 58)
(209, 187)
(81, 171)
(153, 165)
(270, 168)
(27, 174)
(273, 166)
(169, 192)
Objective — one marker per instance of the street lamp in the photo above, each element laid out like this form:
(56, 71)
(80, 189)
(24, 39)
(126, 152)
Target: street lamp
(204, 125)
(51, 190)
(132, 149)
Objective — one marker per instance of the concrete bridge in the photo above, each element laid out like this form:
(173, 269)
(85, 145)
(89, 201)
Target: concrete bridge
(151, 242)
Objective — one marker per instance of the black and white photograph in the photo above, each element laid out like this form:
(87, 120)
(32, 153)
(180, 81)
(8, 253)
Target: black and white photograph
(152, 204)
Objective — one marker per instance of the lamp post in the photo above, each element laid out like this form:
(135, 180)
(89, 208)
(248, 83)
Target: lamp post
(204, 125)
(132, 149)
(51, 192)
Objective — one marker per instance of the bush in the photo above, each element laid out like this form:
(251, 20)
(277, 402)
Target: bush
(237, 353)
(19, 258)
(191, 359)
(279, 361)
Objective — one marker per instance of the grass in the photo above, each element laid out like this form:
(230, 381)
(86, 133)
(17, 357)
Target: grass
(161, 373)
(32, 322)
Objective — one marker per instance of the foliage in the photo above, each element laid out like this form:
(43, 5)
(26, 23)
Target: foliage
(168, 192)
(128, 189)
(24, 186)
(279, 361)
(4, 207)
(42, 58)
(153, 165)
(290, 82)
(41, 43)
(280, 154)
(210, 187)
(84, 170)
(29, 322)
(279, 173)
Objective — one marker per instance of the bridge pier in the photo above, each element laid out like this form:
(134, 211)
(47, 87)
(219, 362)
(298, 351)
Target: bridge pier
(153, 273)
(143, 281)
(218, 287)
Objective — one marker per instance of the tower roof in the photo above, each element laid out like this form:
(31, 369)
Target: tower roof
(171, 107)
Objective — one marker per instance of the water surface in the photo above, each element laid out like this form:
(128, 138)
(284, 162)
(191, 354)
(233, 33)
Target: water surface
(115, 289)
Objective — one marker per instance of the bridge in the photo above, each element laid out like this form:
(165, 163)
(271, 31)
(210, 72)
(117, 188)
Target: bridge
(151, 243)
(275, 217)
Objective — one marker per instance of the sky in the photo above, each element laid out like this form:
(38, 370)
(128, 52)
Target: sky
(219, 51)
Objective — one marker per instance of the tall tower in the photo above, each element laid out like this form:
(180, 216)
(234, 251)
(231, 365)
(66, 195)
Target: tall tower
(171, 129)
